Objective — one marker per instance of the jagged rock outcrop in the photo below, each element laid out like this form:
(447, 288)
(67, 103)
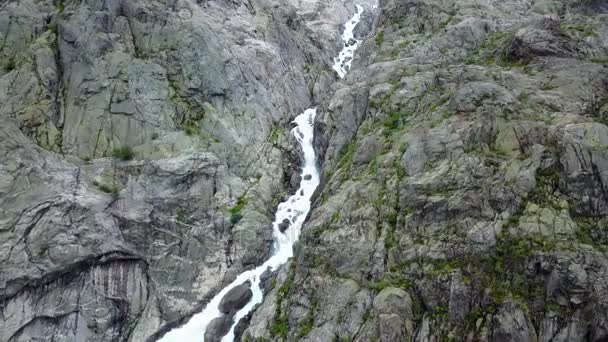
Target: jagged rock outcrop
(463, 188)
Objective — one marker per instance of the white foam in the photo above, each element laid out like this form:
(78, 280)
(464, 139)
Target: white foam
(295, 209)
(344, 60)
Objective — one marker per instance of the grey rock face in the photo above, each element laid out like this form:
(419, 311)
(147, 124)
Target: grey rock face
(511, 324)
(141, 143)
(463, 172)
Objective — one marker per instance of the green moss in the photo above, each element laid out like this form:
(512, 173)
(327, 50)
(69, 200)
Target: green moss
(235, 218)
(335, 217)
(280, 324)
(123, 153)
(546, 193)
(600, 60)
(191, 128)
(489, 52)
(60, 5)
(235, 212)
(441, 310)
(446, 22)
(445, 266)
(379, 38)
(280, 327)
(110, 189)
(9, 65)
(183, 217)
(393, 122)
(346, 156)
(308, 324)
(579, 29)
(273, 138)
(377, 103)
(391, 280)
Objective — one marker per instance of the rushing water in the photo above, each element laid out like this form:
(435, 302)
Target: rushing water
(295, 209)
(345, 58)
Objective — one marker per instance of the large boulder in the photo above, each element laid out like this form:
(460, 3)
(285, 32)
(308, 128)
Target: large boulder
(236, 298)
(218, 328)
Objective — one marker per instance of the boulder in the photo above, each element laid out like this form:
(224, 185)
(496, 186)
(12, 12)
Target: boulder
(284, 225)
(236, 298)
(218, 328)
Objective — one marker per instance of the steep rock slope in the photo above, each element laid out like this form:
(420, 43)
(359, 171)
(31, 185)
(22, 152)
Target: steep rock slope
(144, 147)
(464, 182)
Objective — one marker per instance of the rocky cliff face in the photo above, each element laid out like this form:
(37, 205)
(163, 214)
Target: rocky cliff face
(145, 145)
(464, 163)
(463, 195)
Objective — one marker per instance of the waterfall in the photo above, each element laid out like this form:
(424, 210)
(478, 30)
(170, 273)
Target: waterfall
(350, 44)
(295, 209)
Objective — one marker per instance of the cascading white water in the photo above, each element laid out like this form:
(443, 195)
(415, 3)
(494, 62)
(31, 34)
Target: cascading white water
(295, 209)
(345, 57)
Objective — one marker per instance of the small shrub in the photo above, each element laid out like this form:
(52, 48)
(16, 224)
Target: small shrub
(235, 212)
(9, 65)
(273, 138)
(280, 327)
(109, 189)
(376, 103)
(191, 128)
(183, 217)
(123, 153)
(379, 38)
(235, 218)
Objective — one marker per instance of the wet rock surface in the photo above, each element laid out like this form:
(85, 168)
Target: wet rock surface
(217, 328)
(284, 225)
(236, 298)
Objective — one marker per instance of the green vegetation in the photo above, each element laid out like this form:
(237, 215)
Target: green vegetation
(9, 65)
(188, 114)
(123, 153)
(346, 155)
(391, 280)
(393, 122)
(191, 128)
(390, 241)
(273, 137)
(183, 217)
(235, 212)
(578, 29)
(546, 193)
(308, 324)
(600, 60)
(591, 231)
(280, 325)
(110, 189)
(446, 22)
(491, 51)
(377, 103)
(379, 38)
(60, 4)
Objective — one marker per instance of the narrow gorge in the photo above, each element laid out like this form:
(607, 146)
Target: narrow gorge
(303, 170)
